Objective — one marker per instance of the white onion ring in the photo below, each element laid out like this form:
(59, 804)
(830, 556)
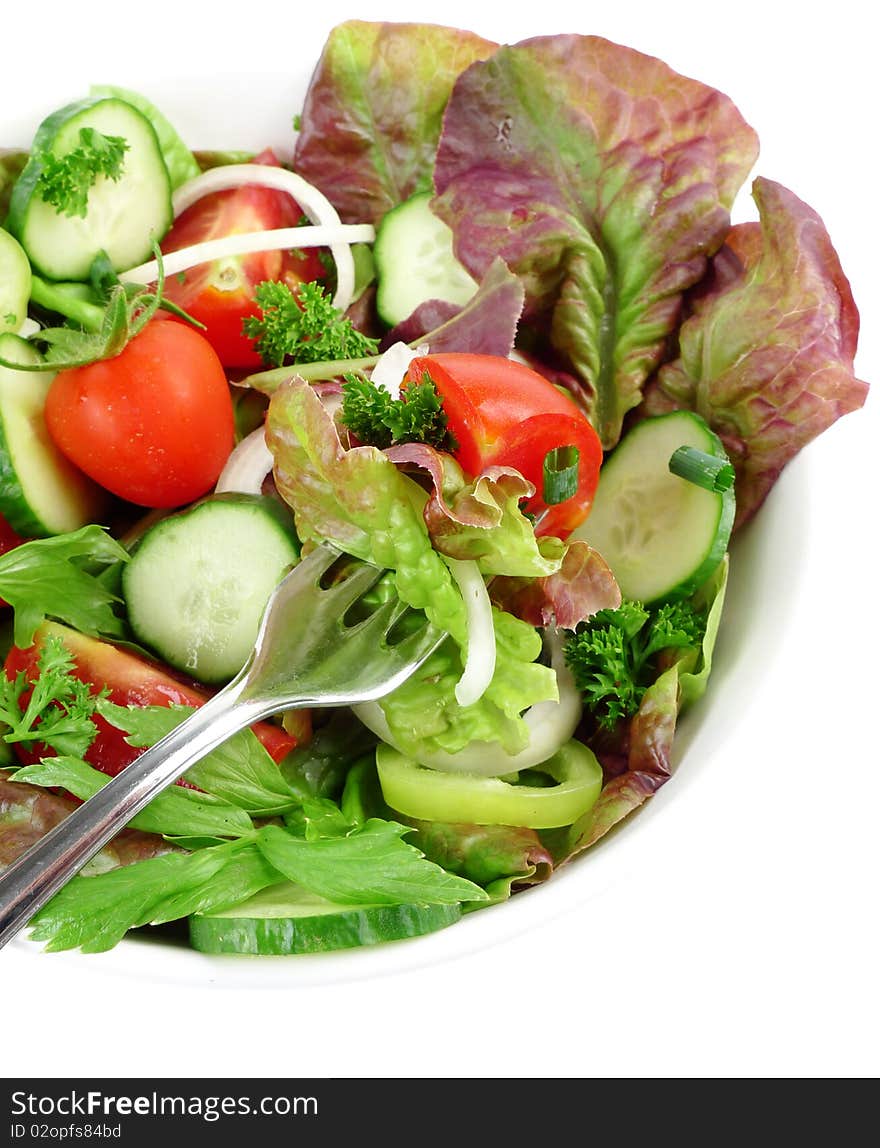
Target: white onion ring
(247, 467)
(551, 725)
(479, 663)
(313, 203)
(392, 366)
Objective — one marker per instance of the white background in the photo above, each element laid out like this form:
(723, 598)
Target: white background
(732, 929)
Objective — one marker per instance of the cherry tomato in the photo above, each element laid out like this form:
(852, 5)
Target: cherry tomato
(154, 425)
(504, 413)
(221, 294)
(131, 681)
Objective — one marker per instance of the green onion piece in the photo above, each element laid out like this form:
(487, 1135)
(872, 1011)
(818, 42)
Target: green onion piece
(560, 474)
(705, 470)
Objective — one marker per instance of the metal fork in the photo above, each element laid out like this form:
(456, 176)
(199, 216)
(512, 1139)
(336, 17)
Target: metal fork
(306, 655)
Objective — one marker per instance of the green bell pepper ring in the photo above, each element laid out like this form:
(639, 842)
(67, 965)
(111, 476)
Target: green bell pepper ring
(431, 795)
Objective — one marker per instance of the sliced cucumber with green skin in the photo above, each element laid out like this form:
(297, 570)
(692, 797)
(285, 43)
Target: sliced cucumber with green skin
(41, 492)
(15, 283)
(415, 262)
(198, 581)
(661, 535)
(123, 216)
(286, 919)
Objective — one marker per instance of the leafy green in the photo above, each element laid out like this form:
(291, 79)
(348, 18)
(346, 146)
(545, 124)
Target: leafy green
(63, 577)
(372, 115)
(320, 766)
(65, 181)
(371, 865)
(240, 771)
(613, 655)
(58, 713)
(94, 913)
(373, 416)
(367, 865)
(176, 812)
(603, 179)
(424, 716)
(303, 328)
(767, 355)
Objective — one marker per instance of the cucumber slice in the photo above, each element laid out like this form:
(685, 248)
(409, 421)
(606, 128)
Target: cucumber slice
(287, 919)
(123, 217)
(661, 535)
(41, 492)
(198, 581)
(415, 262)
(15, 283)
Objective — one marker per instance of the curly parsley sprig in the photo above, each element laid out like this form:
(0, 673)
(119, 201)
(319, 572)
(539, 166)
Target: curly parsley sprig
(65, 181)
(614, 655)
(304, 327)
(373, 416)
(57, 713)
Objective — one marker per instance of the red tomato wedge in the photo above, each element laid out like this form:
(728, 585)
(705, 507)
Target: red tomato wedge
(221, 294)
(504, 413)
(132, 681)
(154, 425)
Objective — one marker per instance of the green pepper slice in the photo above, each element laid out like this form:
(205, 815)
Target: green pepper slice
(431, 795)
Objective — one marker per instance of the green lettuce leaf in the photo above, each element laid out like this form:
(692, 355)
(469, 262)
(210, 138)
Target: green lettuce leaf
(176, 812)
(604, 180)
(766, 357)
(372, 865)
(94, 913)
(64, 577)
(372, 114)
(424, 716)
(240, 772)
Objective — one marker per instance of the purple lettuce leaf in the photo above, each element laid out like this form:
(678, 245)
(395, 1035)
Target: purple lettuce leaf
(480, 520)
(372, 115)
(28, 812)
(604, 180)
(483, 853)
(766, 357)
(581, 586)
(485, 325)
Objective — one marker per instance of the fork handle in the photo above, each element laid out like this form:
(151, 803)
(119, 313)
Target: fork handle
(40, 872)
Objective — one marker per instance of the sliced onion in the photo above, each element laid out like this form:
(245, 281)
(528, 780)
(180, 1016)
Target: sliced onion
(247, 466)
(392, 366)
(313, 202)
(479, 665)
(551, 725)
(28, 327)
(249, 242)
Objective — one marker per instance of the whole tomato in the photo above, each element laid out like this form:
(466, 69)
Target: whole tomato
(153, 425)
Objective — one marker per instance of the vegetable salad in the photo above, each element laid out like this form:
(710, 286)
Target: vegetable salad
(482, 321)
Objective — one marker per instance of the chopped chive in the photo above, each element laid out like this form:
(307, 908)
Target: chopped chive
(560, 474)
(704, 470)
